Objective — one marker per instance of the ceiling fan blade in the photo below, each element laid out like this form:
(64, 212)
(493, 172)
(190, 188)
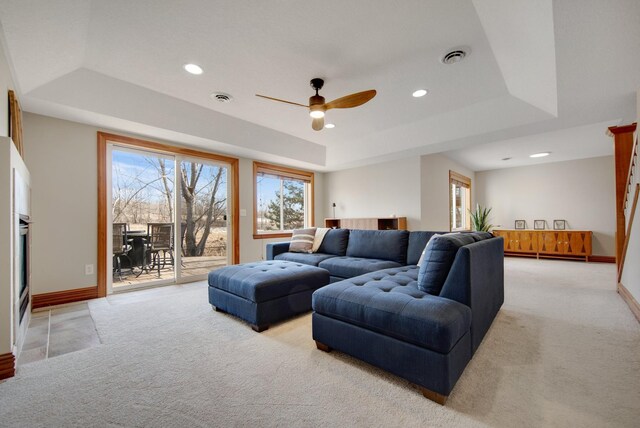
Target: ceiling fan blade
(353, 100)
(318, 124)
(282, 101)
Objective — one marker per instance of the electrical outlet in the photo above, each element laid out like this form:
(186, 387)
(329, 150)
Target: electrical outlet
(88, 269)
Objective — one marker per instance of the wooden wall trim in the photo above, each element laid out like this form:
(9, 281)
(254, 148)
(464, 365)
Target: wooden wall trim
(629, 300)
(102, 215)
(61, 297)
(602, 259)
(103, 139)
(7, 365)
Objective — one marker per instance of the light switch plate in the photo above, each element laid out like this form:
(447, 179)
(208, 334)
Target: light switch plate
(243, 213)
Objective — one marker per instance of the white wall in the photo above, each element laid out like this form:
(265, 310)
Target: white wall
(6, 83)
(434, 179)
(379, 190)
(62, 159)
(582, 192)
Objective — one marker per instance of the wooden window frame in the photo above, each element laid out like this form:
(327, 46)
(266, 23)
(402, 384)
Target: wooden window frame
(462, 181)
(103, 139)
(296, 174)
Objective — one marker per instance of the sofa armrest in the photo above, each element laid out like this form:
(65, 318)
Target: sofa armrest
(275, 248)
(476, 279)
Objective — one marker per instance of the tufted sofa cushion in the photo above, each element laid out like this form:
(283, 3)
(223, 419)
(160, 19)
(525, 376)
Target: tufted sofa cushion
(347, 267)
(312, 259)
(263, 281)
(389, 302)
(438, 259)
(379, 244)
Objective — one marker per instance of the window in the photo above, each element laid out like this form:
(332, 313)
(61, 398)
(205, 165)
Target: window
(283, 200)
(459, 201)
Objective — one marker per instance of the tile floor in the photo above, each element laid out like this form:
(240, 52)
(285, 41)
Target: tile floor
(58, 331)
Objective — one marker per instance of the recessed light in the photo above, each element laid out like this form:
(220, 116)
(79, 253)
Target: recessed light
(420, 93)
(193, 68)
(540, 155)
(329, 126)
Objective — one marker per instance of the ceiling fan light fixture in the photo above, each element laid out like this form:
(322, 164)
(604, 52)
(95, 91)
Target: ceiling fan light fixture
(316, 114)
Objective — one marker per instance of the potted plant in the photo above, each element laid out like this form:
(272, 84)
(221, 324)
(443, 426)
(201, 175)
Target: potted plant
(480, 219)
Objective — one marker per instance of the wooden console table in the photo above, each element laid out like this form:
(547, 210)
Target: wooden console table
(380, 223)
(553, 244)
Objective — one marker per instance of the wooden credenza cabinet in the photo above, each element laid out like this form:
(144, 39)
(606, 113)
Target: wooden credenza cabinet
(561, 244)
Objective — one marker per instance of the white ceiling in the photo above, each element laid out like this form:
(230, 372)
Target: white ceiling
(535, 68)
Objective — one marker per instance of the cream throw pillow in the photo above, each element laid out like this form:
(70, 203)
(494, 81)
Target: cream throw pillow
(302, 240)
(317, 241)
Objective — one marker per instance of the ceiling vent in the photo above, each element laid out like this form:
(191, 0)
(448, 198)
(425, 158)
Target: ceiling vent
(456, 55)
(221, 97)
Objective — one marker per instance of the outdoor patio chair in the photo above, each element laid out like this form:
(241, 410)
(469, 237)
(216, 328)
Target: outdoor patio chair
(120, 246)
(160, 240)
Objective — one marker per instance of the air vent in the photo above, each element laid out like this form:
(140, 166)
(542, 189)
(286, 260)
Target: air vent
(456, 55)
(221, 97)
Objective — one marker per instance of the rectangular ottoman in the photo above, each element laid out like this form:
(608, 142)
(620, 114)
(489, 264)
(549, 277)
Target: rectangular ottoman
(263, 293)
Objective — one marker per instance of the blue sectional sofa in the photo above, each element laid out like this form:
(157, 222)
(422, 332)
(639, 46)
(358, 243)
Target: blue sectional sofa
(375, 311)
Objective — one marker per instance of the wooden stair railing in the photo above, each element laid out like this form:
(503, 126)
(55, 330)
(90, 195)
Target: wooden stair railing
(625, 158)
(632, 164)
(632, 214)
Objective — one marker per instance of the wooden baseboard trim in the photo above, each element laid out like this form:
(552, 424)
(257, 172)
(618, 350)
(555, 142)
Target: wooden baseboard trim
(602, 259)
(7, 365)
(630, 300)
(62, 297)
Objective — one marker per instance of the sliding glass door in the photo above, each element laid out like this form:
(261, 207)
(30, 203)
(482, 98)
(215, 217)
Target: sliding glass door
(204, 232)
(168, 221)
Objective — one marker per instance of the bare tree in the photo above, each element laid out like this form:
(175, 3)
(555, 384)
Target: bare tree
(202, 208)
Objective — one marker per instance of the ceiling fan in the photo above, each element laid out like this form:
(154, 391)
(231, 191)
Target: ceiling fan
(317, 106)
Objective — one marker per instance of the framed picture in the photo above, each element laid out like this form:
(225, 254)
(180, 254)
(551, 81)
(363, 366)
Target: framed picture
(559, 224)
(521, 224)
(539, 224)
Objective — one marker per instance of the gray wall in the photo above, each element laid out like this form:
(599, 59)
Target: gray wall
(379, 190)
(581, 192)
(416, 187)
(434, 176)
(62, 159)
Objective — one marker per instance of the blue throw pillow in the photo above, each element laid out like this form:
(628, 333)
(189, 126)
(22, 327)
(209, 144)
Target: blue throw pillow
(438, 258)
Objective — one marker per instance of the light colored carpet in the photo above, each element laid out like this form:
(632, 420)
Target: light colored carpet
(564, 351)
